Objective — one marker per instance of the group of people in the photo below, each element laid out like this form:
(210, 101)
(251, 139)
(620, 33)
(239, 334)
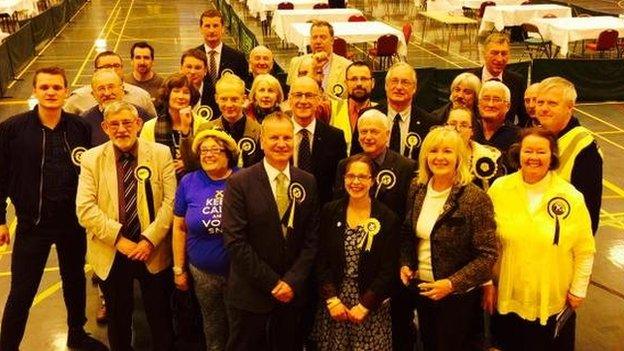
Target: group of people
(317, 218)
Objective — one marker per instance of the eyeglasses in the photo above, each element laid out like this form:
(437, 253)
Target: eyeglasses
(494, 99)
(360, 177)
(112, 65)
(397, 81)
(212, 151)
(458, 126)
(308, 96)
(127, 124)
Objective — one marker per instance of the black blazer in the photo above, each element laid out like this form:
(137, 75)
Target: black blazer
(259, 253)
(231, 59)
(328, 148)
(517, 87)
(404, 169)
(421, 122)
(378, 268)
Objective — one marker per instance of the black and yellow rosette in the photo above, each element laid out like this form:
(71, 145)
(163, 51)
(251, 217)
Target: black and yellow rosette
(227, 71)
(204, 112)
(371, 228)
(385, 179)
(76, 155)
(485, 168)
(247, 146)
(144, 175)
(297, 194)
(558, 208)
(412, 141)
(338, 89)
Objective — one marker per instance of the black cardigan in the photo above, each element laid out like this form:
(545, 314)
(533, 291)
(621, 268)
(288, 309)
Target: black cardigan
(378, 268)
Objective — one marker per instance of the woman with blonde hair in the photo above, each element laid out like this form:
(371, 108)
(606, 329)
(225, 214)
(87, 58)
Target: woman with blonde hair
(448, 244)
(265, 97)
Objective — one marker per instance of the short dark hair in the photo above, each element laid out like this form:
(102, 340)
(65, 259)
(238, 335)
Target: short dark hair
(210, 14)
(514, 150)
(196, 53)
(358, 64)
(176, 80)
(361, 157)
(321, 23)
(104, 54)
(52, 70)
(141, 45)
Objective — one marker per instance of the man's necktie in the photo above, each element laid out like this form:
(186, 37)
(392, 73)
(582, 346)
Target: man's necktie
(132, 226)
(395, 136)
(304, 160)
(213, 66)
(281, 197)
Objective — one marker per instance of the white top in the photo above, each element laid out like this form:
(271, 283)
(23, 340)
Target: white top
(431, 210)
(272, 173)
(403, 124)
(352, 32)
(310, 128)
(217, 56)
(283, 18)
(535, 192)
(500, 17)
(259, 8)
(561, 31)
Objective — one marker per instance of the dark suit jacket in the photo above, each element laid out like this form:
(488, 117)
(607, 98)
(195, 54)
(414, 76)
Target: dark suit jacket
(231, 59)
(463, 239)
(328, 148)
(259, 253)
(378, 268)
(404, 169)
(421, 122)
(517, 87)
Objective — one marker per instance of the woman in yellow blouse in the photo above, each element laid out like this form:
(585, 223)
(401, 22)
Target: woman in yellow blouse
(547, 251)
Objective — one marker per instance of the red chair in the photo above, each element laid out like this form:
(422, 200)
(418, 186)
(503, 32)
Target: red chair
(549, 15)
(320, 6)
(285, 6)
(357, 18)
(341, 48)
(584, 15)
(482, 8)
(607, 41)
(526, 3)
(385, 48)
(407, 32)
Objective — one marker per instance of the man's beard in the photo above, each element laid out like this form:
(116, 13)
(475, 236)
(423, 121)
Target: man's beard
(360, 98)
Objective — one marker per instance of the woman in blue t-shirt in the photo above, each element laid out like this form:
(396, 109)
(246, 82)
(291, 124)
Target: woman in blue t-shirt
(197, 236)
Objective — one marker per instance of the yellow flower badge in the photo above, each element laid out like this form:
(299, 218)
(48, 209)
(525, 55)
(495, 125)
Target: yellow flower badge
(371, 228)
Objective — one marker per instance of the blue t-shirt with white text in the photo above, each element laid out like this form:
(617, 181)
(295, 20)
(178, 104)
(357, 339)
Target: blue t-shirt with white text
(199, 200)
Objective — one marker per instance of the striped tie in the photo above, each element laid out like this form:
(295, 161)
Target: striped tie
(213, 66)
(132, 226)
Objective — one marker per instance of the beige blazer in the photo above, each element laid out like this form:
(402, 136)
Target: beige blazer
(337, 71)
(97, 204)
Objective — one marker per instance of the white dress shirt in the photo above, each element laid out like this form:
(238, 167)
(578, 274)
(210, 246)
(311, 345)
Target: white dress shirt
(486, 76)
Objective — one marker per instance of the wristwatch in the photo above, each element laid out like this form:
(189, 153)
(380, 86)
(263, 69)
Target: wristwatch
(178, 270)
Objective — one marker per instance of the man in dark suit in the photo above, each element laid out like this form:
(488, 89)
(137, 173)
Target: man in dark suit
(271, 248)
(373, 133)
(496, 54)
(318, 146)
(409, 123)
(220, 56)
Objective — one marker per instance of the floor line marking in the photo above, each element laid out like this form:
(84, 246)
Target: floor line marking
(616, 189)
(609, 132)
(123, 26)
(49, 291)
(599, 119)
(86, 59)
(50, 269)
(609, 141)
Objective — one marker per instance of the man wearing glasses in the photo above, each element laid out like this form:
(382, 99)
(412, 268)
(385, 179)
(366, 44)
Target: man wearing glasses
(40, 159)
(82, 99)
(410, 123)
(345, 112)
(125, 202)
(494, 103)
